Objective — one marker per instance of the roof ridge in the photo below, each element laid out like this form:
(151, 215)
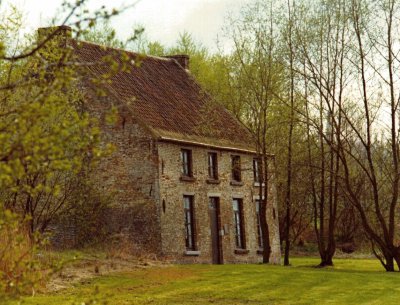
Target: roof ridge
(123, 50)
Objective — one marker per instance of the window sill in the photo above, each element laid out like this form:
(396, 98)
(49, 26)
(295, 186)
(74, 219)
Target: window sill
(258, 184)
(213, 181)
(260, 251)
(237, 183)
(187, 179)
(241, 251)
(192, 253)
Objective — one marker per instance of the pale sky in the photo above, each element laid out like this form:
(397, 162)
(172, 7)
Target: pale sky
(163, 20)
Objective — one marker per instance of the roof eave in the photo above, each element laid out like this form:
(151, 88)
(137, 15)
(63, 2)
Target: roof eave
(207, 145)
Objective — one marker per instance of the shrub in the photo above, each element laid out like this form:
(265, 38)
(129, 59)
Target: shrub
(82, 222)
(20, 270)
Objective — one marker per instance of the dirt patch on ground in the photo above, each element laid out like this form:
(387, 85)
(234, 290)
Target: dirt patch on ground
(83, 270)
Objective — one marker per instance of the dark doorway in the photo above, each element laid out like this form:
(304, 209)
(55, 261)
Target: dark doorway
(215, 230)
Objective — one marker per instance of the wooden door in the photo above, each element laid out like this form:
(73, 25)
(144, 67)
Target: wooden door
(215, 230)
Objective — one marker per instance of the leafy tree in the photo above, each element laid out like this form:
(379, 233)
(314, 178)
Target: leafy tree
(103, 34)
(46, 138)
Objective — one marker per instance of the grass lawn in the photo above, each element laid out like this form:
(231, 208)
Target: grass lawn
(351, 281)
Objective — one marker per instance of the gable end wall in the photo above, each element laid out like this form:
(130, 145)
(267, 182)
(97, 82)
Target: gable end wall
(129, 177)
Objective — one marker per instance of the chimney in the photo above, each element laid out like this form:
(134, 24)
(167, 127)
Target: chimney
(181, 59)
(61, 34)
(55, 50)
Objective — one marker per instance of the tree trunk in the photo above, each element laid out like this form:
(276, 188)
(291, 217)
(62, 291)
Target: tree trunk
(397, 259)
(389, 263)
(288, 199)
(263, 193)
(326, 260)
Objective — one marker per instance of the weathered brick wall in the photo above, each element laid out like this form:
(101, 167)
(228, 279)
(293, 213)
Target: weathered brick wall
(172, 190)
(129, 176)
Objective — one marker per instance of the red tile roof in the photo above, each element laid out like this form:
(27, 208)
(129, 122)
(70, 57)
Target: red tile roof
(166, 98)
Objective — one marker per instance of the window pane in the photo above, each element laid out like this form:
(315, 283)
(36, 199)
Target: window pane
(186, 162)
(238, 223)
(189, 222)
(256, 169)
(235, 205)
(236, 170)
(259, 232)
(213, 202)
(212, 165)
(238, 231)
(186, 201)
(183, 158)
(189, 232)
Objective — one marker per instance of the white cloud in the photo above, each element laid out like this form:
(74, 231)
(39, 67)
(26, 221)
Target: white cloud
(163, 20)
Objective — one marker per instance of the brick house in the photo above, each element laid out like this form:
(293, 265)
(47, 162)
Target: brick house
(182, 175)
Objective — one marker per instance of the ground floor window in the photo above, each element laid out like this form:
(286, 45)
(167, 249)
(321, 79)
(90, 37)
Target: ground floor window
(259, 232)
(240, 238)
(189, 223)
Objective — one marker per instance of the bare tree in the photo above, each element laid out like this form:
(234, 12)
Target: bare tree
(322, 49)
(255, 75)
(371, 163)
(288, 197)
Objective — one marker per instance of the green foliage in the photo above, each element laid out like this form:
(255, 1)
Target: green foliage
(155, 48)
(85, 213)
(102, 34)
(20, 269)
(47, 141)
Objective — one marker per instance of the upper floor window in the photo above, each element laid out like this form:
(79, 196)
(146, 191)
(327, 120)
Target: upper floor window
(212, 166)
(236, 169)
(240, 239)
(189, 223)
(186, 159)
(256, 169)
